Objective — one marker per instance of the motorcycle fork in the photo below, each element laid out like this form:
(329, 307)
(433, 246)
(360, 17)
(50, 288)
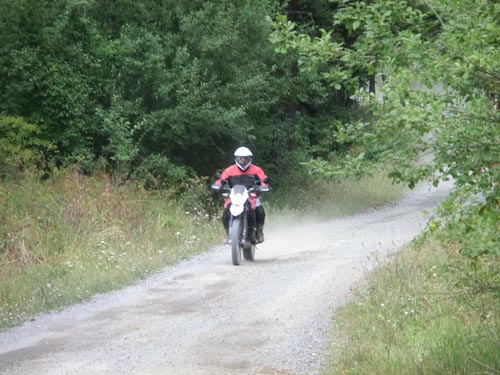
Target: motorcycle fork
(245, 227)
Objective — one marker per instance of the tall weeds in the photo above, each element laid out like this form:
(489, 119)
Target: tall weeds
(73, 236)
(417, 317)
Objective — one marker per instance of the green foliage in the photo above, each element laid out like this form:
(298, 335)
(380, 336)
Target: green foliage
(321, 90)
(120, 148)
(217, 86)
(20, 147)
(471, 223)
(158, 172)
(460, 118)
(435, 115)
(112, 85)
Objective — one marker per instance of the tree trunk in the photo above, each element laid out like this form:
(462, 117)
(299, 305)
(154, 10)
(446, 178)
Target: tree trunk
(372, 84)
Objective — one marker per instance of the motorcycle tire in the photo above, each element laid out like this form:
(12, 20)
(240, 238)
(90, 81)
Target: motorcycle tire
(236, 241)
(249, 252)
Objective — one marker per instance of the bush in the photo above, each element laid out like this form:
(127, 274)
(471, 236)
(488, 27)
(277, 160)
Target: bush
(159, 172)
(20, 148)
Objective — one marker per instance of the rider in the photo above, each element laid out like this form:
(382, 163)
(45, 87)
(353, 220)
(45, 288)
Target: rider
(244, 172)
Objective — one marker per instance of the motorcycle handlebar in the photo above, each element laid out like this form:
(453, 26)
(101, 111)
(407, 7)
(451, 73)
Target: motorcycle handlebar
(265, 189)
(225, 188)
(260, 189)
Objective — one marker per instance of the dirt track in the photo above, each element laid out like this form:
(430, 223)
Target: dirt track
(207, 317)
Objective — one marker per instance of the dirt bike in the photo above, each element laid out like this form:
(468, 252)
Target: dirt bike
(242, 228)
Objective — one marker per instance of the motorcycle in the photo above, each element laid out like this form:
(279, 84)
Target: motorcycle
(242, 228)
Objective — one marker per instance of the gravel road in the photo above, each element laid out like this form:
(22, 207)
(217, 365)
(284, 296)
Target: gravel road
(205, 316)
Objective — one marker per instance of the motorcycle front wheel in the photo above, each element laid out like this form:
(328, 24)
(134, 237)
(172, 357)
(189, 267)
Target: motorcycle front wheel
(236, 241)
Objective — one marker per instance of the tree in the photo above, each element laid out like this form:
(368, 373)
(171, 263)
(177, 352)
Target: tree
(118, 83)
(436, 116)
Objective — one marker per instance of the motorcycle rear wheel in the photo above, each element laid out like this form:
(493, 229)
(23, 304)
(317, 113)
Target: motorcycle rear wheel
(249, 252)
(236, 241)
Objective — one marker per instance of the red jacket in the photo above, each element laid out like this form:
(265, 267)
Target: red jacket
(234, 175)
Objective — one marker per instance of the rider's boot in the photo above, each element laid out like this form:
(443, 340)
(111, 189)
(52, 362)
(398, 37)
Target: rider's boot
(260, 233)
(253, 235)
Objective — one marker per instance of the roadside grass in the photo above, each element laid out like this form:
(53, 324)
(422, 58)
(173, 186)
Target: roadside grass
(68, 238)
(315, 200)
(418, 314)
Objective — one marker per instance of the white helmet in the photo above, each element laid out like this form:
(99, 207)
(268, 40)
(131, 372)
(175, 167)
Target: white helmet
(243, 157)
